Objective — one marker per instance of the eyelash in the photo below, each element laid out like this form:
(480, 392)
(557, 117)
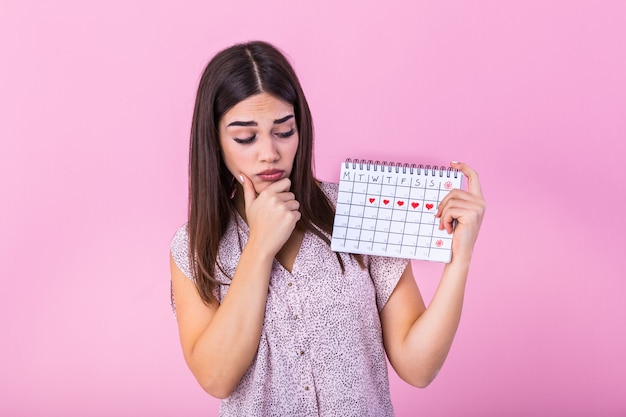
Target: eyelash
(250, 139)
(244, 141)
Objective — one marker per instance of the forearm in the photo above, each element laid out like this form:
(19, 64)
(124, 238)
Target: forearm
(429, 339)
(418, 339)
(224, 351)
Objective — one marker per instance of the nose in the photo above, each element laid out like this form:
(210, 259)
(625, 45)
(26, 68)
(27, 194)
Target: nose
(268, 152)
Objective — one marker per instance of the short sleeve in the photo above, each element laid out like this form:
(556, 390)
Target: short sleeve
(385, 273)
(180, 251)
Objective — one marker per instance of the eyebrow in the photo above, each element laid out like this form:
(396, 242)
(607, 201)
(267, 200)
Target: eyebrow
(252, 123)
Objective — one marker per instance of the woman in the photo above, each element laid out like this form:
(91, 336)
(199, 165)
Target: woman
(270, 319)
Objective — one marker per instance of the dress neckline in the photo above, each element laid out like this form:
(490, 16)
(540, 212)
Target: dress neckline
(243, 226)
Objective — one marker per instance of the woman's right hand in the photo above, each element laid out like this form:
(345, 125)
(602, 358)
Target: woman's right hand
(220, 341)
(271, 215)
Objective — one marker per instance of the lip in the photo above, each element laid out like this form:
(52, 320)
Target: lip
(271, 174)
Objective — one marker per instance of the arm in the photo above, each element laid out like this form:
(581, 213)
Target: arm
(219, 341)
(417, 339)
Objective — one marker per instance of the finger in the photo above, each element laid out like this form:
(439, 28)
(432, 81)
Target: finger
(473, 184)
(460, 204)
(459, 195)
(462, 201)
(448, 218)
(292, 205)
(249, 192)
(280, 186)
(446, 222)
(455, 196)
(286, 196)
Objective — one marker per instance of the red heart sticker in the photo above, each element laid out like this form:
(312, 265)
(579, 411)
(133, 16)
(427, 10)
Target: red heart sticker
(415, 205)
(386, 202)
(372, 200)
(400, 203)
(429, 206)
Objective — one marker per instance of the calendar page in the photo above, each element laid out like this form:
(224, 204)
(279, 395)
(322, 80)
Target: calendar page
(389, 210)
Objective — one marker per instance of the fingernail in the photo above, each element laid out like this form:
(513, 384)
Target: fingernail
(241, 178)
(455, 162)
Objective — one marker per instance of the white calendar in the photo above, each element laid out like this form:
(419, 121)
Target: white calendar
(389, 209)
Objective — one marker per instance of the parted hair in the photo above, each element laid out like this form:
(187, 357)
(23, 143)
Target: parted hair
(233, 75)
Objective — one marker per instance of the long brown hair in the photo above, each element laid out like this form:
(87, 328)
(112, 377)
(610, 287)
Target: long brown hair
(233, 75)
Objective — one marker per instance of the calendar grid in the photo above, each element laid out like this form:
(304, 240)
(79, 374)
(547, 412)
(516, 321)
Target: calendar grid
(391, 212)
(378, 196)
(419, 225)
(351, 183)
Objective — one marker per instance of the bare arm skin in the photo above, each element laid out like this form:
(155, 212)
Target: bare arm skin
(219, 341)
(417, 339)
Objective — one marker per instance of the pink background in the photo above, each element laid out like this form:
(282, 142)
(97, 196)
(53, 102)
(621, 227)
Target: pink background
(95, 107)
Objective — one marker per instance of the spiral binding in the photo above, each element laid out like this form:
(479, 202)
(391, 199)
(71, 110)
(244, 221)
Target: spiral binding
(411, 168)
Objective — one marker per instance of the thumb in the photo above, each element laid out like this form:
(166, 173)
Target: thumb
(249, 192)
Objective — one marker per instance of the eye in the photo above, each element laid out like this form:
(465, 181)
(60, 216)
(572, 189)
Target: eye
(286, 134)
(244, 141)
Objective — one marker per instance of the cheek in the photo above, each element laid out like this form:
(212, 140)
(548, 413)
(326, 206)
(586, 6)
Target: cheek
(230, 158)
(294, 146)
(230, 152)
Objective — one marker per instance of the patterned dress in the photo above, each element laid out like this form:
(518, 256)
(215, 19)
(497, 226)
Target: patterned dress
(321, 351)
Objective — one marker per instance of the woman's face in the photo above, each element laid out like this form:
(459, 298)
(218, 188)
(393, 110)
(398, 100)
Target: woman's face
(259, 138)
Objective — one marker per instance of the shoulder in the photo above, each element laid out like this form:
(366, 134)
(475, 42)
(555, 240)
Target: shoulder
(180, 239)
(331, 190)
(179, 248)
(385, 272)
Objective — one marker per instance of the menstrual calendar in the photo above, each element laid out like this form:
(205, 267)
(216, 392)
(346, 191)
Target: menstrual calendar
(389, 210)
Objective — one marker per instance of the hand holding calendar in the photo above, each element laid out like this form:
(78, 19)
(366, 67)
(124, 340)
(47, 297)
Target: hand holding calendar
(467, 209)
(406, 211)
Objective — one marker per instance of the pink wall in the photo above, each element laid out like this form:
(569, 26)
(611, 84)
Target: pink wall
(95, 106)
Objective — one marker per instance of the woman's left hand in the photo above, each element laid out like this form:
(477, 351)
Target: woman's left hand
(467, 208)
